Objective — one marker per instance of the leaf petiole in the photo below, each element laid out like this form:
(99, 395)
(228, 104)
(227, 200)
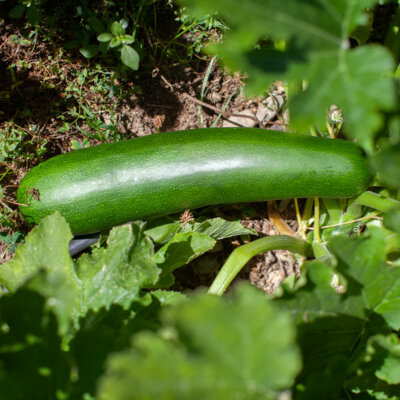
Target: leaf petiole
(241, 255)
(377, 201)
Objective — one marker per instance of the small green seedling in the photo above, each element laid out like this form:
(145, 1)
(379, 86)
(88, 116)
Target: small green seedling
(119, 40)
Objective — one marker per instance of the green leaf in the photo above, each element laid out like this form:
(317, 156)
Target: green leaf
(333, 328)
(387, 164)
(180, 250)
(32, 364)
(315, 25)
(44, 264)
(317, 49)
(130, 57)
(210, 348)
(89, 50)
(389, 367)
(377, 370)
(115, 41)
(96, 24)
(31, 355)
(362, 260)
(72, 44)
(168, 297)
(162, 230)
(218, 228)
(392, 220)
(33, 14)
(116, 275)
(117, 29)
(11, 240)
(363, 32)
(104, 37)
(17, 11)
(358, 83)
(111, 276)
(127, 39)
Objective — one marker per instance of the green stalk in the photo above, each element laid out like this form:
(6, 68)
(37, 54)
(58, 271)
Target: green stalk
(203, 88)
(241, 255)
(376, 201)
(294, 87)
(299, 220)
(317, 237)
(392, 242)
(223, 109)
(392, 40)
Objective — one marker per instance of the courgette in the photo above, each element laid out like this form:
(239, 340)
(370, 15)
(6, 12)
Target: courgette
(109, 184)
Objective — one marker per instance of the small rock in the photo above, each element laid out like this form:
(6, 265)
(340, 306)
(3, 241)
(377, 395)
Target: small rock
(240, 121)
(265, 113)
(275, 101)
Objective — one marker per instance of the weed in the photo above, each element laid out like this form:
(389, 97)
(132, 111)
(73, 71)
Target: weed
(17, 142)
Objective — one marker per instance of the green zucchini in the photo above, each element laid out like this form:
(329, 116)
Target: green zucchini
(109, 184)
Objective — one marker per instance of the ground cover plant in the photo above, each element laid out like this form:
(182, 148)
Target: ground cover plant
(116, 322)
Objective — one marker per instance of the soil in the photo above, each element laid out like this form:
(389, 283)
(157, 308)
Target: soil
(169, 98)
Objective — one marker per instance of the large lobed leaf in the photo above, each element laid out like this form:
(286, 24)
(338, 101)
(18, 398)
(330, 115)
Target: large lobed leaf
(209, 348)
(114, 275)
(334, 329)
(111, 276)
(43, 262)
(377, 369)
(317, 50)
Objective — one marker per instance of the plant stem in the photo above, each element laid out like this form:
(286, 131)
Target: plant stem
(223, 109)
(203, 88)
(377, 201)
(392, 40)
(317, 237)
(241, 255)
(299, 220)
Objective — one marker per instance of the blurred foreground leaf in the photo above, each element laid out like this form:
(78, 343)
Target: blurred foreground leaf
(334, 328)
(377, 369)
(209, 348)
(114, 275)
(317, 49)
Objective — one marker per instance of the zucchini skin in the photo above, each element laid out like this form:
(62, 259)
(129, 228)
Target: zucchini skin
(113, 183)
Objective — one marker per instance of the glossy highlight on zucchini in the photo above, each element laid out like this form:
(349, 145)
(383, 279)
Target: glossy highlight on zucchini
(110, 184)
